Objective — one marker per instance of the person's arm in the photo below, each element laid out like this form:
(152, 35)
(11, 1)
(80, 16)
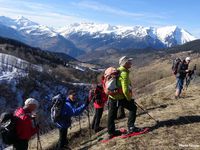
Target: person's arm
(125, 85)
(71, 111)
(26, 127)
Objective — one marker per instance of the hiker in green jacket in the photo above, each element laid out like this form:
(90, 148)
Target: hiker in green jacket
(123, 99)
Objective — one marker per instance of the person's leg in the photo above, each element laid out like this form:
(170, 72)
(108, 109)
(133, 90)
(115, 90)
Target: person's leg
(179, 87)
(21, 145)
(130, 105)
(117, 112)
(98, 119)
(112, 111)
(121, 113)
(94, 119)
(62, 138)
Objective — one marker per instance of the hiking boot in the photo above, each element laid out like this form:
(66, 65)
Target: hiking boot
(98, 129)
(110, 136)
(134, 129)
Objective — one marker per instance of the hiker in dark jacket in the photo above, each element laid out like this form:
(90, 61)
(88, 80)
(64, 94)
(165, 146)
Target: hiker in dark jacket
(123, 99)
(99, 98)
(67, 112)
(182, 71)
(25, 125)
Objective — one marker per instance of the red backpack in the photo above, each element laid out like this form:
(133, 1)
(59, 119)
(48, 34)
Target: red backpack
(109, 81)
(95, 94)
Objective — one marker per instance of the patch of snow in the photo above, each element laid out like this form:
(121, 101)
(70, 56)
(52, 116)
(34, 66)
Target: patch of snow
(79, 68)
(12, 68)
(79, 84)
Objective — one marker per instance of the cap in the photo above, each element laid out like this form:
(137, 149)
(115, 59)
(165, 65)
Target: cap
(187, 59)
(123, 60)
(31, 101)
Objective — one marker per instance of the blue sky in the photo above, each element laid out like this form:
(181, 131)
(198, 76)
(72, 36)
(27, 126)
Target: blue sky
(58, 13)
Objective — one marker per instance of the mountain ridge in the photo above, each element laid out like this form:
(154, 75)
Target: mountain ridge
(80, 38)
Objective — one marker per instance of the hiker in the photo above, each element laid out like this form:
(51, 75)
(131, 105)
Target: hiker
(123, 98)
(99, 98)
(69, 109)
(182, 71)
(25, 127)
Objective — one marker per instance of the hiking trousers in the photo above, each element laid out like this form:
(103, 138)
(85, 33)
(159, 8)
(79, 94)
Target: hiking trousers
(21, 145)
(120, 113)
(179, 84)
(112, 112)
(97, 118)
(62, 138)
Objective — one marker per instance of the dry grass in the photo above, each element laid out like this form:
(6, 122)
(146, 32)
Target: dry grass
(179, 119)
(179, 123)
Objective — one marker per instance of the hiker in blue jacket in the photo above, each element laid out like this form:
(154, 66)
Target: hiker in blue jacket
(69, 109)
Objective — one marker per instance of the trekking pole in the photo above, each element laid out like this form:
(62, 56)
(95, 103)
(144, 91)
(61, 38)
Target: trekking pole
(79, 117)
(89, 125)
(157, 121)
(39, 145)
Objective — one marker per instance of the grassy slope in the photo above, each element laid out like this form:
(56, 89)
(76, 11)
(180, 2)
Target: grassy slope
(179, 119)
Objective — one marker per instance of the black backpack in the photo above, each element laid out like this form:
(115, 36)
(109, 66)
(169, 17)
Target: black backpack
(175, 64)
(8, 128)
(58, 102)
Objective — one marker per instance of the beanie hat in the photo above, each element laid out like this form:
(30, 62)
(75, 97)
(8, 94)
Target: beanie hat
(187, 59)
(31, 101)
(123, 60)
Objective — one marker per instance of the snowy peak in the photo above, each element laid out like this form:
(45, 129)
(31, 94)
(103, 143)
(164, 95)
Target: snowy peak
(168, 35)
(93, 28)
(173, 32)
(24, 22)
(27, 26)
(79, 38)
(87, 28)
(7, 21)
(16, 23)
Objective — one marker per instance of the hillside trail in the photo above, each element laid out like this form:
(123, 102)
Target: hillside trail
(178, 127)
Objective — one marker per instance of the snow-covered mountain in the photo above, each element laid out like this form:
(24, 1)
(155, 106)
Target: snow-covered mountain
(36, 35)
(125, 36)
(180, 35)
(77, 39)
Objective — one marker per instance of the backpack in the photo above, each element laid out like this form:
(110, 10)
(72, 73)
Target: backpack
(95, 94)
(109, 80)
(58, 102)
(8, 128)
(175, 65)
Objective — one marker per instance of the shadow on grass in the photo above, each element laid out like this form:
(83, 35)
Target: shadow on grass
(78, 138)
(182, 120)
